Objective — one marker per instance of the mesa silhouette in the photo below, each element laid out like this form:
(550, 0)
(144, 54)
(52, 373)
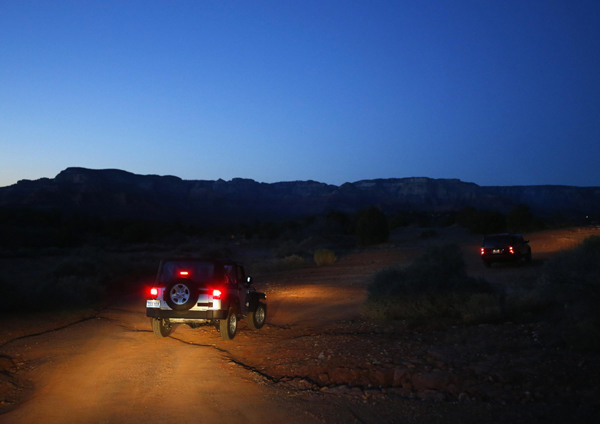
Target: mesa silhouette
(112, 193)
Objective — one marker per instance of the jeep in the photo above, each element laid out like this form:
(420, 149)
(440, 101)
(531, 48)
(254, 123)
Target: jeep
(204, 291)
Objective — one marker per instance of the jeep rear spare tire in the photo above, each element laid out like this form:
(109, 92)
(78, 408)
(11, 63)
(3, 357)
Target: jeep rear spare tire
(181, 294)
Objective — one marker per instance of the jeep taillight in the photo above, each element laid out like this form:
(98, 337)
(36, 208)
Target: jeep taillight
(216, 294)
(154, 292)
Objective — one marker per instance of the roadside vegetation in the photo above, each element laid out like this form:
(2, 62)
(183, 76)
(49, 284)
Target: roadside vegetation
(323, 257)
(436, 285)
(57, 261)
(371, 227)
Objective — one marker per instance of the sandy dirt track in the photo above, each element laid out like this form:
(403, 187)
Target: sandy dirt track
(112, 369)
(99, 371)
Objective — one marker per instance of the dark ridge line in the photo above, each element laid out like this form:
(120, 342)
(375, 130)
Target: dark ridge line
(52, 329)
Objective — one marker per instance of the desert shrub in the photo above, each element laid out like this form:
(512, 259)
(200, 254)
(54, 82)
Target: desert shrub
(300, 248)
(520, 219)
(435, 285)
(570, 283)
(425, 234)
(72, 292)
(526, 304)
(280, 264)
(324, 257)
(371, 227)
(81, 278)
(481, 222)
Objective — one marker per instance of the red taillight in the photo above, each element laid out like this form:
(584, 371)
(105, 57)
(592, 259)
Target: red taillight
(184, 273)
(216, 294)
(482, 250)
(511, 250)
(154, 291)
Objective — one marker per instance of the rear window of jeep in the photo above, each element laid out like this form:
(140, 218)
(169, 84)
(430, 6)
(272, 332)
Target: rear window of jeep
(200, 272)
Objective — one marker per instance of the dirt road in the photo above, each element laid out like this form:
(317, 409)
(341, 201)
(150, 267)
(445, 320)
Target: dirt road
(102, 371)
(112, 369)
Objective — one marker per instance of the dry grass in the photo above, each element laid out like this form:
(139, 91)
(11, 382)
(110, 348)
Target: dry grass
(324, 257)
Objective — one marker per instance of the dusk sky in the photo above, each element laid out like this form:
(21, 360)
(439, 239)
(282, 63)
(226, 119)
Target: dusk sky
(503, 92)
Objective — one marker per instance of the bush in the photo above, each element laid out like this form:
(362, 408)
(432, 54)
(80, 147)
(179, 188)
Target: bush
(280, 264)
(520, 219)
(570, 283)
(435, 285)
(81, 278)
(324, 257)
(371, 227)
(481, 222)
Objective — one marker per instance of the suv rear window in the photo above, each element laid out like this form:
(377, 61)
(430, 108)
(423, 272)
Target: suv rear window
(199, 272)
(499, 241)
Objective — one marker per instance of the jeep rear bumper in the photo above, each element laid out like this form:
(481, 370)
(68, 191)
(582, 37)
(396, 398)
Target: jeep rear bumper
(162, 313)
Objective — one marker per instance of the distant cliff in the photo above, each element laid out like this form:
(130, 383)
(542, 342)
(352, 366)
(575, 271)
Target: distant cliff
(115, 193)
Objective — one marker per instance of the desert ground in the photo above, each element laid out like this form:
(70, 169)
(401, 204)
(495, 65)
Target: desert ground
(315, 361)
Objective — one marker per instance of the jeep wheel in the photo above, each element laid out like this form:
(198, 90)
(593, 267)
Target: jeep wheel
(161, 327)
(228, 327)
(256, 318)
(181, 295)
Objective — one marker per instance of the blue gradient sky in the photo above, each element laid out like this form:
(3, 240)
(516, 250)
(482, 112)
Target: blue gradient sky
(493, 92)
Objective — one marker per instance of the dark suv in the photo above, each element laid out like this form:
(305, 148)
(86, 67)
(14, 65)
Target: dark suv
(204, 291)
(507, 247)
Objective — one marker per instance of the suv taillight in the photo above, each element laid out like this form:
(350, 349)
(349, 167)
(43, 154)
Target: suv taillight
(154, 292)
(482, 250)
(511, 250)
(216, 294)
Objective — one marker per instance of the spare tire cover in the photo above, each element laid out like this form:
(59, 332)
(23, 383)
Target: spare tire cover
(181, 294)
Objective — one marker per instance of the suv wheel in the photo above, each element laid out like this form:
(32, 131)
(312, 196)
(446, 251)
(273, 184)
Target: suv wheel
(161, 327)
(228, 327)
(256, 318)
(181, 295)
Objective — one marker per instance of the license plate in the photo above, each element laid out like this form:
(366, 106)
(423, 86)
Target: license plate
(496, 251)
(153, 304)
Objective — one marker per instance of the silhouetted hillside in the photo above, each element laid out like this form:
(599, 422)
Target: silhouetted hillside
(121, 194)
